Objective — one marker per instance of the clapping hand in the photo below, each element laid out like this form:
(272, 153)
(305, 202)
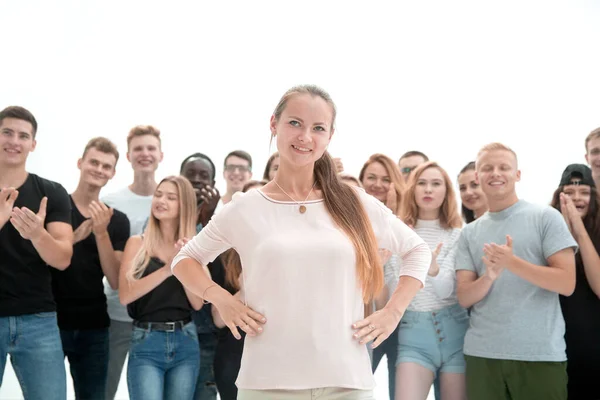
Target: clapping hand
(29, 225)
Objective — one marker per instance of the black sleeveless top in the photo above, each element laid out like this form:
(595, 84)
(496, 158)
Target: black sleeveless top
(165, 303)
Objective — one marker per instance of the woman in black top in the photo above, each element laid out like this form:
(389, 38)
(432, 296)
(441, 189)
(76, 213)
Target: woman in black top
(164, 356)
(577, 199)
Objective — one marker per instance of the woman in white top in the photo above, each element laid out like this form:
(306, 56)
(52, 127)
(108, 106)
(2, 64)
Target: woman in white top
(432, 331)
(309, 245)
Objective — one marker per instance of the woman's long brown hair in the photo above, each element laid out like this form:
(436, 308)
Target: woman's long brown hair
(449, 216)
(393, 171)
(344, 206)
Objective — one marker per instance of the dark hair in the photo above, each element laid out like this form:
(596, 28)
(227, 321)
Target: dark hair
(268, 166)
(468, 215)
(202, 156)
(592, 219)
(414, 153)
(102, 144)
(21, 113)
(241, 154)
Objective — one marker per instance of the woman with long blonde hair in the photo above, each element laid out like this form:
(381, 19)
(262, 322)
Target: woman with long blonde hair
(164, 357)
(432, 330)
(308, 245)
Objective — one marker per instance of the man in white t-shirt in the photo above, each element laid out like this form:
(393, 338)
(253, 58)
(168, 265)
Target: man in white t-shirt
(144, 153)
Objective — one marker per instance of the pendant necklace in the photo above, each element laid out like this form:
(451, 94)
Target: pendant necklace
(302, 208)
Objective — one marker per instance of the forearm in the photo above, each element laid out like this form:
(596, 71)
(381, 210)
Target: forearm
(405, 291)
(550, 278)
(196, 279)
(55, 253)
(443, 283)
(471, 293)
(132, 289)
(194, 300)
(108, 260)
(591, 262)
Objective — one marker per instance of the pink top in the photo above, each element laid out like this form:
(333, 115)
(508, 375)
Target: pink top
(299, 271)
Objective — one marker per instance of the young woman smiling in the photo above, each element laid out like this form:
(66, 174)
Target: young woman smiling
(310, 263)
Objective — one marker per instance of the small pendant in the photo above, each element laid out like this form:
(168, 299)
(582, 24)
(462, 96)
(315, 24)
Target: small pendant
(302, 209)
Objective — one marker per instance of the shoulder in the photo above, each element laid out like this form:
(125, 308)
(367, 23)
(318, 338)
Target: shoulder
(371, 204)
(116, 195)
(134, 241)
(240, 201)
(47, 186)
(119, 218)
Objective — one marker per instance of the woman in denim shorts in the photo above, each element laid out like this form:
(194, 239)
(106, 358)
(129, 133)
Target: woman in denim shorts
(433, 328)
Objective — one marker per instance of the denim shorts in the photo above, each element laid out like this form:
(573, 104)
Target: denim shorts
(434, 339)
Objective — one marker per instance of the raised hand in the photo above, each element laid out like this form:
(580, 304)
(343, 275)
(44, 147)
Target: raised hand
(101, 215)
(7, 202)
(29, 225)
(392, 199)
(83, 231)
(209, 197)
(434, 268)
(499, 254)
(377, 327)
(339, 165)
(492, 270)
(572, 216)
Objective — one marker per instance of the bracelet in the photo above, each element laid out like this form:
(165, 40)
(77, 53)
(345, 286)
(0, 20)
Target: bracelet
(205, 290)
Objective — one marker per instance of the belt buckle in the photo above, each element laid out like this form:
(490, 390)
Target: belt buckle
(172, 326)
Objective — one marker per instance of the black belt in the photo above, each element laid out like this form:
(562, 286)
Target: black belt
(162, 326)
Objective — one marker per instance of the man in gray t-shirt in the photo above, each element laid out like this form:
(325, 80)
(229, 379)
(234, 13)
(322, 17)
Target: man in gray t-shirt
(511, 265)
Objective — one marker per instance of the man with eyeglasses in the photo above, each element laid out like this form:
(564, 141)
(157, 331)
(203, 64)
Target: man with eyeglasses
(237, 172)
(411, 160)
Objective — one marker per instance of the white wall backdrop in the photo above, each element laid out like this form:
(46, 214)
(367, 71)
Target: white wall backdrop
(439, 76)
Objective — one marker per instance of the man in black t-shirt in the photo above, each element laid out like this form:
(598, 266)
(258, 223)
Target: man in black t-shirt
(100, 234)
(35, 236)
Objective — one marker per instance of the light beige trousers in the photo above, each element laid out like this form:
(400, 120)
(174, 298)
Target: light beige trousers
(309, 394)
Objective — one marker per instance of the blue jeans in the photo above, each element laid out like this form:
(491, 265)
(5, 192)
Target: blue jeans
(87, 352)
(36, 354)
(163, 365)
(206, 388)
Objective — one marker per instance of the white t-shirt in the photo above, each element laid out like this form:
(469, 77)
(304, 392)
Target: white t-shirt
(299, 271)
(137, 208)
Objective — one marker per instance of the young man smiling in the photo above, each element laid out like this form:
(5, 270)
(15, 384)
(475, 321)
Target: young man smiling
(512, 263)
(99, 239)
(237, 171)
(592, 154)
(35, 236)
(144, 153)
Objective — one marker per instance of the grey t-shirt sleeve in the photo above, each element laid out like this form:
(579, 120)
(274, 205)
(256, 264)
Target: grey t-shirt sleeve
(555, 233)
(463, 258)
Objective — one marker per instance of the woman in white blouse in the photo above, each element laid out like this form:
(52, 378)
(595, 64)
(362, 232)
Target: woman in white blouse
(309, 246)
(432, 331)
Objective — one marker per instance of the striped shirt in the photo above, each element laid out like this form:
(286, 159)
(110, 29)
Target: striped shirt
(439, 291)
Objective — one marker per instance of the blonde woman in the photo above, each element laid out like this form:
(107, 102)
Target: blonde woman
(308, 245)
(164, 356)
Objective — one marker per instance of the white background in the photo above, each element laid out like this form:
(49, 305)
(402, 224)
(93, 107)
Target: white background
(444, 77)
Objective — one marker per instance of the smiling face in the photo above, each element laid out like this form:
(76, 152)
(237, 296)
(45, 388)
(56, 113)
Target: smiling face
(581, 196)
(497, 174)
(199, 172)
(165, 203)
(16, 141)
(471, 195)
(303, 130)
(144, 153)
(592, 155)
(430, 190)
(97, 167)
(237, 173)
(376, 181)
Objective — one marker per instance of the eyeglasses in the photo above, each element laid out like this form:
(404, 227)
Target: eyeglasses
(233, 168)
(407, 170)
